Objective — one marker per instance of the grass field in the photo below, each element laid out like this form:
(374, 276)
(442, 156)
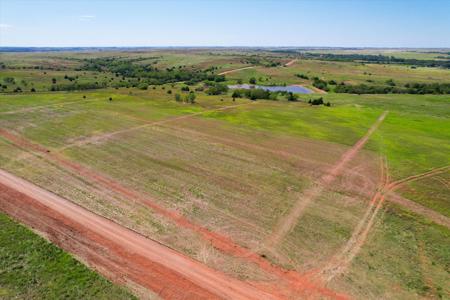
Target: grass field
(33, 268)
(239, 167)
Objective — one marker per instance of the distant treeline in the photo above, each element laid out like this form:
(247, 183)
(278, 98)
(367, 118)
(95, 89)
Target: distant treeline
(410, 88)
(78, 86)
(380, 59)
(149, 74)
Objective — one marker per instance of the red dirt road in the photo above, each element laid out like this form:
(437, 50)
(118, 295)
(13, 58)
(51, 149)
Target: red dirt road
(296, 282)
(200, 281)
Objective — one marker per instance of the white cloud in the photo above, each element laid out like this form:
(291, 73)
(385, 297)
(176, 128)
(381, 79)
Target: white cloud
(86, 17)
(5, 26)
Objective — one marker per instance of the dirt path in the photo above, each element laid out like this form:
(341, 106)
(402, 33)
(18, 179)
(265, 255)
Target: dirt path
(343, 259)
(291, 62)
(105, 136)
(131, 242)
(340, 261)
(236, 70)
(312, 193)
(395, 184)
(318, 91)
(419, 209)
(295, 281)
(37, 107)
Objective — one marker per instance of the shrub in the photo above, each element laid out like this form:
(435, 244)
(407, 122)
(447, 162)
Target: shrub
(303, 76)
(217, 89)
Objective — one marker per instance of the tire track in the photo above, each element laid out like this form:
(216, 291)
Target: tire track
(105, 136)
(286, 224)
(342, 260)
(396, 184)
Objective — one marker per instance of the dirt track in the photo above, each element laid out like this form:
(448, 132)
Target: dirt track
(186, 273)
(342, 259)
(235, 70)
(310, 194)
(100, 137)
(290, 63)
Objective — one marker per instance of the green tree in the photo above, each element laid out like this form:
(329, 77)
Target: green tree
(190, 98)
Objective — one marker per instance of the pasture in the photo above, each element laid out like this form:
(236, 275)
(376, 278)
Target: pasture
(180, 172)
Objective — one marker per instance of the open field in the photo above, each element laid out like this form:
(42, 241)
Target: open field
(278, 199)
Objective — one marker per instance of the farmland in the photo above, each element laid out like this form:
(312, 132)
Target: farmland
(276, 197)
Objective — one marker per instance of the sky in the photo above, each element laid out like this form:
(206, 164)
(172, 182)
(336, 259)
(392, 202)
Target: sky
(322, 23)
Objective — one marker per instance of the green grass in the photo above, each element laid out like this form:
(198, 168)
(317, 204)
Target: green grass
(349, 72)
(432, 192)
(406, 257)
(243, 192)
(340, 124)
(415, 135)
(32, 268)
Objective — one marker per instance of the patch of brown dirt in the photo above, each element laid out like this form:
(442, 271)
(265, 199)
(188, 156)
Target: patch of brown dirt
(290, 63)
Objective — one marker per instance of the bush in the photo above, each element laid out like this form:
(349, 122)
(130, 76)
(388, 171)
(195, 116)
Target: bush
(217, 89)
(318, 101)
(190, 98)
(320, 84)
(303, 76)
(252, 80)
(142, 86)
(292, 97)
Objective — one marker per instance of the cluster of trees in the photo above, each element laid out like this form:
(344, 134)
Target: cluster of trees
(188, 98)
(149, 74)
(255, 94)
(77, 86)
(261, 61)
(318, 101)
(303, 76)
(409, 88)
(380, 59)
(320, 84)
(216, 89)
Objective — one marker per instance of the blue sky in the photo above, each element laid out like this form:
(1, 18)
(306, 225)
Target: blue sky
(347, 23)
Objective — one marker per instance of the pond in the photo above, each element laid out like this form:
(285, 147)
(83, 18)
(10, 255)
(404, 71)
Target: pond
(277, 88)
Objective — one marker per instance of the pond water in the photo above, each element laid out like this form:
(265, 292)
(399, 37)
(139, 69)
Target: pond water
(277, 88)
